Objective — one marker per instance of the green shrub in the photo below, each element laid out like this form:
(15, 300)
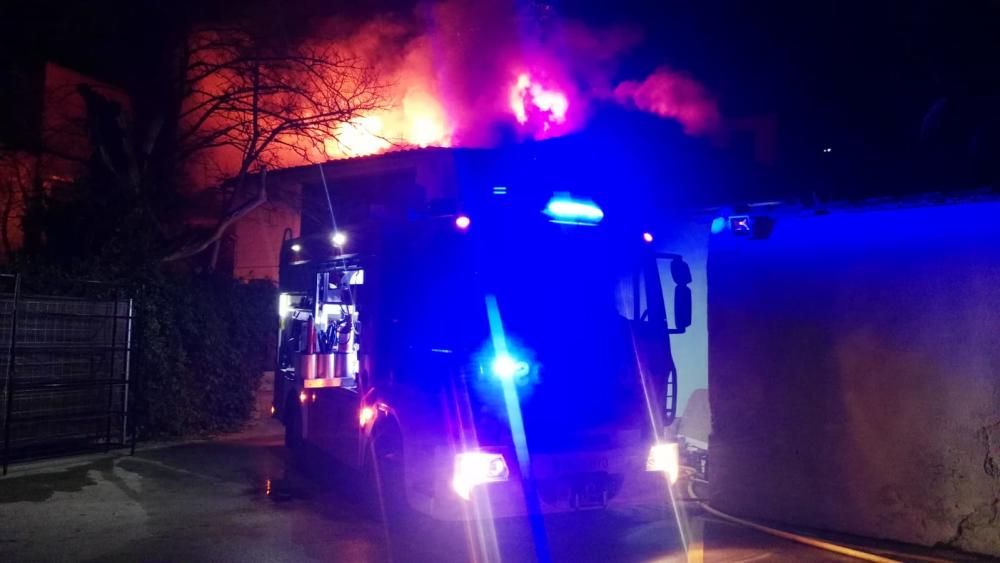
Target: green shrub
(203, 344)
(202, 339)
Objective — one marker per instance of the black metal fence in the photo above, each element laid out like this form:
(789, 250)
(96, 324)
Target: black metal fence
(67, 371)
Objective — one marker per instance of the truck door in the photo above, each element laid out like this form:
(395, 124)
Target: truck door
(340, 406)
(650, 327)
(337, 409)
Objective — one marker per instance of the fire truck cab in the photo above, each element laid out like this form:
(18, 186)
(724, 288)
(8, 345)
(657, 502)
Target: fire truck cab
(492, 361)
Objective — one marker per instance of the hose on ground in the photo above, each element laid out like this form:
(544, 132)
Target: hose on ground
(805, 540)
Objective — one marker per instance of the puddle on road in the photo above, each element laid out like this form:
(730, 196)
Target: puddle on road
(40, 487)
(309, 479)
(279, 490)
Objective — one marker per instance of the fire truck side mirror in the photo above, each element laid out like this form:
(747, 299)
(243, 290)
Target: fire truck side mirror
(681, 273)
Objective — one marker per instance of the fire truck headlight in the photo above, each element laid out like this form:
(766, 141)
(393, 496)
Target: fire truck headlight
(664, 458)
(366, 415)
(477, 468)
(507, 367)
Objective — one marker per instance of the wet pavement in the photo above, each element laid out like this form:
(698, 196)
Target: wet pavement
(241, 499)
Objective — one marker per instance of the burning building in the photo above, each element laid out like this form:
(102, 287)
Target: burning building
(455, 75)
(44, 144)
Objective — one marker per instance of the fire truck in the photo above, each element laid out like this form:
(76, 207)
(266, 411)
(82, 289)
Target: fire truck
(505, 356)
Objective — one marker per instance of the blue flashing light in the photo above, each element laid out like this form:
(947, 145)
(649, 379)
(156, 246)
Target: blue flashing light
(564, 209)
(718, 225)
(506, 367)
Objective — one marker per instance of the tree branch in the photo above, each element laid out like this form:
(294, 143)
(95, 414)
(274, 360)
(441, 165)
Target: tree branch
(220, 229)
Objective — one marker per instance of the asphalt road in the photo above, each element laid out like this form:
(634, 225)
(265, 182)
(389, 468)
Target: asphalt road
(242, 500)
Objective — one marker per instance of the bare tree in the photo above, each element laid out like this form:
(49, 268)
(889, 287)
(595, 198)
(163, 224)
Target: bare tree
(18, 175)
(263, 104)
(235, 102)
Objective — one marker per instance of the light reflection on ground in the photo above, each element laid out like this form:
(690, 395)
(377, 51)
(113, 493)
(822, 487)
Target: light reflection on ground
(240, 499)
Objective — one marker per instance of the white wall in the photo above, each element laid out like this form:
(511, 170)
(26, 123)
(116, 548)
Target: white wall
(855, 373)
(258, 241)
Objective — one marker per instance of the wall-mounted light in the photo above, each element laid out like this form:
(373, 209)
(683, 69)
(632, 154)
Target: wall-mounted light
(284, 305)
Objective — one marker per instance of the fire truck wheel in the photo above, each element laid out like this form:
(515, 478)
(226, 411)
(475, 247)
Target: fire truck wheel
(293, 428)
(384, 469)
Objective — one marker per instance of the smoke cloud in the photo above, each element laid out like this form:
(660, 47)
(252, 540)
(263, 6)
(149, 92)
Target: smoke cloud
(674, 96)
(477, 73)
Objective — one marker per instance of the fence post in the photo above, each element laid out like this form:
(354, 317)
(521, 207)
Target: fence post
(126, 411)
(112, 377)
(10, 372)
(135, 378)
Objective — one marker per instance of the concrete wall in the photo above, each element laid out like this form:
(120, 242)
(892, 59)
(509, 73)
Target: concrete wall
(258, 240)
(854, 367)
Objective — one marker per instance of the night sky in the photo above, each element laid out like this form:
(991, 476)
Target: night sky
(905, 94)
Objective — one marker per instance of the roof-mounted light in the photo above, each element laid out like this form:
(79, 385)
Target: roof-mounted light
(718, 225)
(568, 210)
(338, 239)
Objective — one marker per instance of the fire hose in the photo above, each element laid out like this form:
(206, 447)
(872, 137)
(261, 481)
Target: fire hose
(798, 538)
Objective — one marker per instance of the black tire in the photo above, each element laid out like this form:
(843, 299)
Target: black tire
(385, 478)
(293, 427)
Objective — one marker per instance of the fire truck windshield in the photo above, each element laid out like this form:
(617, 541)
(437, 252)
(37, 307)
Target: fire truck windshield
(567, 306)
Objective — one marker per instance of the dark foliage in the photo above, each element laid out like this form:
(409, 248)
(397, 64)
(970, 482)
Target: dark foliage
(202, 338)
(204, 342)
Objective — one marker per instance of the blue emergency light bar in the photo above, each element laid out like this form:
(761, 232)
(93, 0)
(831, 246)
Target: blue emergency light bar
(567, 210)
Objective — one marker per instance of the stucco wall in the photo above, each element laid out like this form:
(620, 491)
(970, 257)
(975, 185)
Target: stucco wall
(258, 241)
(854, 368)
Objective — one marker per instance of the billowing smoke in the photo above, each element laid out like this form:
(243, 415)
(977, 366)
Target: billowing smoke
(475, 73)
(675, 96)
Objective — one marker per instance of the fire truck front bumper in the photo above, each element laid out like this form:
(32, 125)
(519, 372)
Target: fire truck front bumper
(481, 487)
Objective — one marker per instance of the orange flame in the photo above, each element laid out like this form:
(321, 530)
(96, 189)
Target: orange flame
(416, 120)
(529, 98)
(445, 87)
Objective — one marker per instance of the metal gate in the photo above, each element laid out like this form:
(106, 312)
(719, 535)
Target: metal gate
(66, 371)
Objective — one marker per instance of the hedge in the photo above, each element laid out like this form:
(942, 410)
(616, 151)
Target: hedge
(203, 342)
